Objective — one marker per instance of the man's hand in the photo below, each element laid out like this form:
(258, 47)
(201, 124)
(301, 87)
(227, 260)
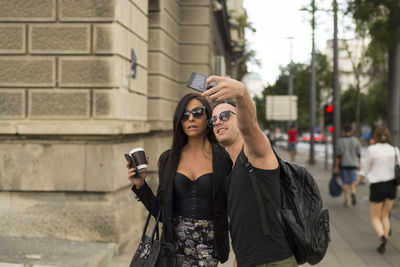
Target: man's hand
(226, 88)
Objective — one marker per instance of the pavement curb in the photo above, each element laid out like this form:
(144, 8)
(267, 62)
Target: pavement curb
(104, 258)
(48, 252)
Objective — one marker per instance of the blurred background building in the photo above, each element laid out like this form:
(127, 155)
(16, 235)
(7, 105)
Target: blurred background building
(353, 68)
(254, 84)
(81, 83)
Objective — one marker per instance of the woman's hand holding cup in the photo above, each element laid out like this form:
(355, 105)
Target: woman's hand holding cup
(137, 166)
(136, 178)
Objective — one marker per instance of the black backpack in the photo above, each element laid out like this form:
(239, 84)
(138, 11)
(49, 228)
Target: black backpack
(304, 221)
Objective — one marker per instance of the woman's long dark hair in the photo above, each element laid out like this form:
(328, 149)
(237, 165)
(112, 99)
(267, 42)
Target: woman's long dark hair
(180, 139)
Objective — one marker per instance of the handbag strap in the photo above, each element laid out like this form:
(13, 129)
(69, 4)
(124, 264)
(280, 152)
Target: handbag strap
(395, 156)
(155, 229)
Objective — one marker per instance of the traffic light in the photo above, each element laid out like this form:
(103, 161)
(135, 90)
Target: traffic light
(328, 115)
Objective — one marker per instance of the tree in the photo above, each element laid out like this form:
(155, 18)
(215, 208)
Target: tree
(347, 107)
(358, 65)
(381, 19)
(377, 102)
(247, 55)
(301, 86)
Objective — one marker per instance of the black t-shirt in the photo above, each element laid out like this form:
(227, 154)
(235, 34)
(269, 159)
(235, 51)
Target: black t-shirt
(249, 243)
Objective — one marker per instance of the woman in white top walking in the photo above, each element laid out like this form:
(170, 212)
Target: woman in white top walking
(379, 170)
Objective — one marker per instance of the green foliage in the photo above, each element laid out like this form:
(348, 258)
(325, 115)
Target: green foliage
(301, 86)
(260, 104)
(248, 55)
(348, 108)
(243, 21)
(377, 103)
(381, 18)
(373, 105)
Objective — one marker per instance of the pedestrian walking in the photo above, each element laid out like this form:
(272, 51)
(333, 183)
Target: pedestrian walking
(347, 163)
(191, 187)
(236, 128)
(379, 169)
(292, 141)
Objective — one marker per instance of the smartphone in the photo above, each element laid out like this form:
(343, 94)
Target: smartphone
(130, 160)
(132, 163)
(197, 82)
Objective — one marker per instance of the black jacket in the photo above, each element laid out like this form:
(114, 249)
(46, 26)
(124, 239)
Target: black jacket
(222, 166)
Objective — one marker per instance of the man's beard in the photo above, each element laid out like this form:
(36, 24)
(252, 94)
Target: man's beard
(227, 141)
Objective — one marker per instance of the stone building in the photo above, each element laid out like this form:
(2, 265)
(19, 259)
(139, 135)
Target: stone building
(81, 83)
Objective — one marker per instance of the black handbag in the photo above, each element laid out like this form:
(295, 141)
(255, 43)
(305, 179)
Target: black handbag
(335, 189)
(396, 168)
(153, 251)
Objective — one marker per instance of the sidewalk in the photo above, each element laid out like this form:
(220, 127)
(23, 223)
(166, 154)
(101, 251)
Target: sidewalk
(353, 238)
(35, 252)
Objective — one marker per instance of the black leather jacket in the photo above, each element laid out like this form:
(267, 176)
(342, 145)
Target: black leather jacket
(222, 166)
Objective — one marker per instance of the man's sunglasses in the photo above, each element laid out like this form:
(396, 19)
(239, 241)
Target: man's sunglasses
(196, 112)
(223, 116)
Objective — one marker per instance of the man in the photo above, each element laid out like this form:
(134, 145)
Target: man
(292, 141)
(236, 128)
(347, 161)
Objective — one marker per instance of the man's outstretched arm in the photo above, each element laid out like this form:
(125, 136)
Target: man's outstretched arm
(256, 145)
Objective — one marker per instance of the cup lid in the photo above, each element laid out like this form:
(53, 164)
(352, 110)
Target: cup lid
(136, 150)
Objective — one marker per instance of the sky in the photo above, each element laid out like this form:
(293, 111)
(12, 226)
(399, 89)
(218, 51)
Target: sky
(277, 21)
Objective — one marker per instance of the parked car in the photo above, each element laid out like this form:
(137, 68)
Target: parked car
(318, 138)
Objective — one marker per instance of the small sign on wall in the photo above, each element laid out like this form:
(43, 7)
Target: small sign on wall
(133, 63)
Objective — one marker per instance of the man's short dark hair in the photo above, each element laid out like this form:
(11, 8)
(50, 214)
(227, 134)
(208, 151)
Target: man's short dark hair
(226, 101)
(347, 128)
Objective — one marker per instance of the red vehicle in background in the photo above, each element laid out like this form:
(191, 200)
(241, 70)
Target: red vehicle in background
(318, 138)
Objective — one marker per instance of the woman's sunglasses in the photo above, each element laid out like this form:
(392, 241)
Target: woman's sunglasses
(223, 116)
(196, 112)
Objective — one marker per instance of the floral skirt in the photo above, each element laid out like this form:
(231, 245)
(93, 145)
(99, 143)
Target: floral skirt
(194, 242)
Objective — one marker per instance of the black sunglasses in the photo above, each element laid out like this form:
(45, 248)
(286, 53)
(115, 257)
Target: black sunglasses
(223, 116)
(196, 112)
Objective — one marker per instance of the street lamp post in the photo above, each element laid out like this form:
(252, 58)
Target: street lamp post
(311, 160)
(336, 88)
(290, 87)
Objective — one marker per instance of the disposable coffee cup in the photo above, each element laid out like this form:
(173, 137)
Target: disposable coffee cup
(139, 157)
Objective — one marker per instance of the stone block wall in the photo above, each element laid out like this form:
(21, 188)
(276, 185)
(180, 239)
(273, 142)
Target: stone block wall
(69, 108)
(70, 60)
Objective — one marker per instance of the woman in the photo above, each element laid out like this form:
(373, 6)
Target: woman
(379, 169)
(191, 187)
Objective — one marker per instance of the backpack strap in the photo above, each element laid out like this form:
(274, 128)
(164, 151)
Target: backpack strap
(256, 188)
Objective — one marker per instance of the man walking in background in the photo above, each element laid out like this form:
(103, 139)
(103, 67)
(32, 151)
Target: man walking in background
(292, 141)
(347, 162)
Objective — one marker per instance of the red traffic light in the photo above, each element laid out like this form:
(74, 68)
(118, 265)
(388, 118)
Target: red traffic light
(331, 129)
(329, 108)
